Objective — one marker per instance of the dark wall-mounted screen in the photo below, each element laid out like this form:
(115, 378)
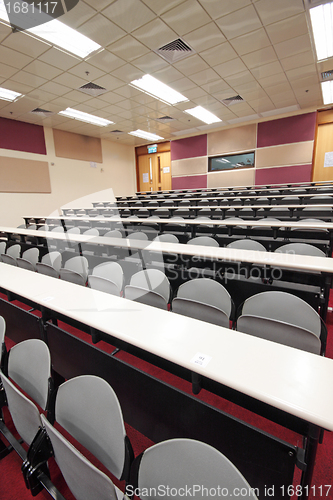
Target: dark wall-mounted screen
(228, 162)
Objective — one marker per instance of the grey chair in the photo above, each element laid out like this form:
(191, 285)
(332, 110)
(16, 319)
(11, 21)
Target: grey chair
(301, 249)
(11, 254)
(247, 244)
(283, 318)
(50, 264)
(103, 432)
(207, 241)
(83, 479)
(2, 248)
(204, 299)
(75, 270)
(182, 463)
(150, 286)
(107, 277)
(29, 367)
(29, 259)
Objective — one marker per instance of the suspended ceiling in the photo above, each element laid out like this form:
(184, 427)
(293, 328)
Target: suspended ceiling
(260, 50)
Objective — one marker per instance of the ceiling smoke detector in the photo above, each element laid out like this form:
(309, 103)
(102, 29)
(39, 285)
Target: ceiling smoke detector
(92, 89)
(232, 100)
(175, 50)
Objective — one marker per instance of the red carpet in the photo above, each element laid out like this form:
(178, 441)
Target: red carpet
(12, 486)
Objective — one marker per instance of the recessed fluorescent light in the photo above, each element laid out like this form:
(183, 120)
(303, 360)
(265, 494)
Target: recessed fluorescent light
(327, 90)
(146, 135)
(322, 26)
(8, 95)
(157, 89)
(203, 115)
(59, 34)
(85, 117)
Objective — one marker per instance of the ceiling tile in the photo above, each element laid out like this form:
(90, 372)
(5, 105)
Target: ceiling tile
(42, 69)
(240, 22)
(265, 70)
(70, 81)
(183, 84)
(79, 15)
(239, 79)
(101, 30)
(4, 31)
(191, 65)
(7, 71)
(111, 97)
(297, 60)
(129, 14)
(41, 95)
(259, 57)
(26, 44)
(186, 17)
(230, 67)
(205, 37)
(77, 96)
(150, 62)
(278, 89)
(109, 82)
(216, 8)
(271, 12)
(205, 76)
(155, 34)
(216, 87)
(20, 87)
(270, 81)
(28, 78)
(81, 70)
(128, 48)
(54, 88)
(302, 72)
(168, 75)
(106, 61)
(293, 46)
(288, 28)
(13, 58)
(219, 54)
(262, 105)
(128, 73)
(59, 59)
(100, 5)
(250, 42)
(161, 6)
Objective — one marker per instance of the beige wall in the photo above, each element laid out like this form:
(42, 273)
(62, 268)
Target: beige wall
(70, 179)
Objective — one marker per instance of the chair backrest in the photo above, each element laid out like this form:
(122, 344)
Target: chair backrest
(12, 253)
(2, 247)
(182, 463)
(29, 366)
(205, 299)
(58, 229)
(167, 238)
(50, 264)
(113, 234)
(102, 431)
(29, 259)
(247, 244)
(75, 270)
(281, 317)
(91, 232)
(138, 235)
(203, 240)
(74, 230)
(83, 479)
(107, 277)
(149, 286)
(301, 249)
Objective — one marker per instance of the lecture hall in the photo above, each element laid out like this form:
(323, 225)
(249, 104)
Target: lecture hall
(166, 238)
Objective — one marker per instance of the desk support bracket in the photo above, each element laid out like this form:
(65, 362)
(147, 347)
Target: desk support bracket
(196, 382)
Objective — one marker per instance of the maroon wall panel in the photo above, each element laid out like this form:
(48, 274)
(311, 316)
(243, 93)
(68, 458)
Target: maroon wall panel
(287, 130)
(21, 136)
(295, 173)
(190, 147)
(191, 182)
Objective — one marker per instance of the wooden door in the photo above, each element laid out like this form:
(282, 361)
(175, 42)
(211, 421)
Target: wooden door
(154, 172)
(323, 156)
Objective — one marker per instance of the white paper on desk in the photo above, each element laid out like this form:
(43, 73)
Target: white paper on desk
(201, 359)
(328, 162)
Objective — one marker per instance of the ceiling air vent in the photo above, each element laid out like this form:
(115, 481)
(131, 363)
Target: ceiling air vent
(174, 51)
(164, 119)
(327, 75)
(92, 89)
(42, 112)
(232, 100)
(116, 132)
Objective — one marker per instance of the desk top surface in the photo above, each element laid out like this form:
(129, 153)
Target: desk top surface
(286, 378)
(196, 222)
(302, 263)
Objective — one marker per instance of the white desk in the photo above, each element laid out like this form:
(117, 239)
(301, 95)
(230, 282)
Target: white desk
(301, 263)
(289, 379)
